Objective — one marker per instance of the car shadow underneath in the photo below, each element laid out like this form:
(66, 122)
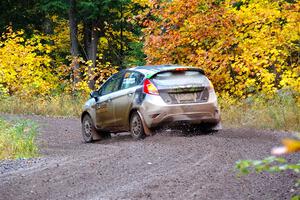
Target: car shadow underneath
(118, 137)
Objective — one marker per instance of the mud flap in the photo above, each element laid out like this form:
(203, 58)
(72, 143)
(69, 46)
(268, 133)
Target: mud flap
(147, 131)
(96, 136)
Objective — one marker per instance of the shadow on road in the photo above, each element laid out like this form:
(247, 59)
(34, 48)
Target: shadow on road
(168, 132)
(119, 137)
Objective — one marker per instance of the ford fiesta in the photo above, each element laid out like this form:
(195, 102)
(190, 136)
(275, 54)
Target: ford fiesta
(146, 97)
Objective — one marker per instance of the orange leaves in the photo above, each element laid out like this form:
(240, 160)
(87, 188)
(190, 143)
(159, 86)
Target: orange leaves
(289, 146)
(186, 31)
(246, 50)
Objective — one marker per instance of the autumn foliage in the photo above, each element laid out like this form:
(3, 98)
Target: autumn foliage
(32, 67)
(244, 46)
(25, 65)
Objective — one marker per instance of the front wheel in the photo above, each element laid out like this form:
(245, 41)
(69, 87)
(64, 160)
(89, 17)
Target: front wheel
(136, 126)
(89, 132)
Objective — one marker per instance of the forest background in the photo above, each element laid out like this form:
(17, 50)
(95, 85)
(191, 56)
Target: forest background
(54, 52)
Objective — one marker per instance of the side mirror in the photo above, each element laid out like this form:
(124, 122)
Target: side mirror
(94, 94)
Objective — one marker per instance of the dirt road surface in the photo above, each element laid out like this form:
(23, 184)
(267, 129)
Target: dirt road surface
(168, 165)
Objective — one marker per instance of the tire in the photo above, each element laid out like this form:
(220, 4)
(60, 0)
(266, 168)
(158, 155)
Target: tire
(88, 129)
(136, 127)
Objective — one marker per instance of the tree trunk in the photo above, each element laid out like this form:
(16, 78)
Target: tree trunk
(87, 28)
(74, 41)
(48, 26)
(121, 38)
(92, 32)
(93, 53)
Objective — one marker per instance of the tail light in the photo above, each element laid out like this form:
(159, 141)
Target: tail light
(150, 88)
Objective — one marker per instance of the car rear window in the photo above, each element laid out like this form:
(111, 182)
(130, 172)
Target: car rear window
(177, 78)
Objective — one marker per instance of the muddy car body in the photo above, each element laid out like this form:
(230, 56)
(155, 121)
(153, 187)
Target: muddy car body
(146, 97)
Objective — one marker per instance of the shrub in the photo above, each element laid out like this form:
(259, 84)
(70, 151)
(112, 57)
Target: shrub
(25, 64)
(281, 112)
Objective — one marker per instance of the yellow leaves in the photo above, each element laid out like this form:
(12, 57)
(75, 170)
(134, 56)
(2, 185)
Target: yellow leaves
(23, 71)
(143, 3)
(291, 78)
(89, 63)
(265, 45)
(61, 36)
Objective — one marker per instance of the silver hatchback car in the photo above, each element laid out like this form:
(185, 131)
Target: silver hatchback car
(146, 97)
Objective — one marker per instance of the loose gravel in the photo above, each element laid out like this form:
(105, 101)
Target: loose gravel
(169, 165)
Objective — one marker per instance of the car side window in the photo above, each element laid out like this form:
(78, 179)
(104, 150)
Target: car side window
(112, 84)
(131, 79)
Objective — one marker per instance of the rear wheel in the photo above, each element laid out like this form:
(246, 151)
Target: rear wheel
(136, 126)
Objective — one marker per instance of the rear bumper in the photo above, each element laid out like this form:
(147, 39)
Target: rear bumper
(156, 112)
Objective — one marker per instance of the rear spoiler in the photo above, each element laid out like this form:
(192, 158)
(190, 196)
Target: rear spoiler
(178, 69)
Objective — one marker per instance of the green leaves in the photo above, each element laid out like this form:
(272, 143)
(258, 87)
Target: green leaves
(54, 6)
(270, 164)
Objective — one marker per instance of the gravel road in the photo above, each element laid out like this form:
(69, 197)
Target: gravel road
(168, 165)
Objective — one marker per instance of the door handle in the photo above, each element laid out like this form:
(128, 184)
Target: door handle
(109, 100)
(130, 94)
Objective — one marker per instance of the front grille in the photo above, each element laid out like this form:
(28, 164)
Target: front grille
(185, 97)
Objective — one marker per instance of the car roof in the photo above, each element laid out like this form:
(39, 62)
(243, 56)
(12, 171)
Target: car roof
(150, 70)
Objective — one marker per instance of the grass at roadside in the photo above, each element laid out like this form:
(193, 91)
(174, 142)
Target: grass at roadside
(64, 105)
(17, 139)
(282, 112)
